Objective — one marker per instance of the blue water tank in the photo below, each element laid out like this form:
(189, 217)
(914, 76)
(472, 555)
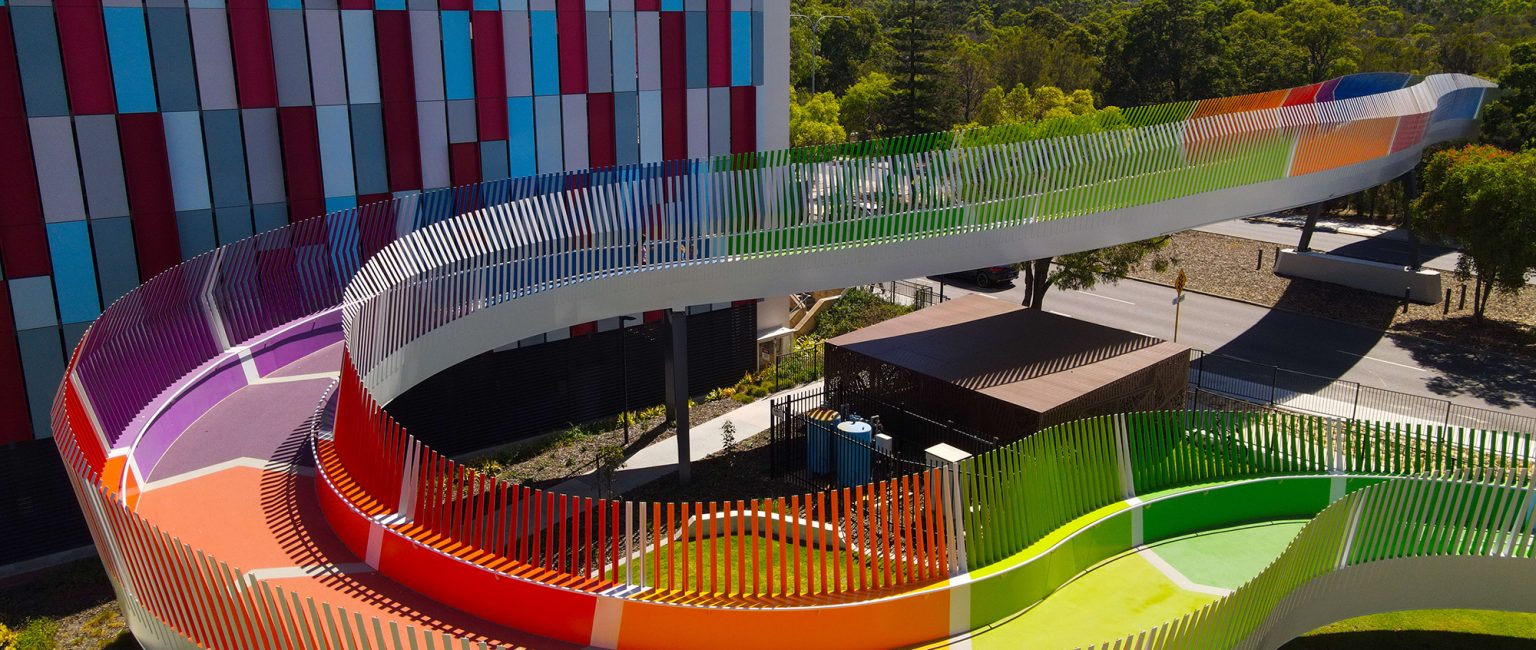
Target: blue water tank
(818, 440)
(853, 452)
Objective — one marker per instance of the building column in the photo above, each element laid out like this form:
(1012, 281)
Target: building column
(675, 366)
(1411, 192)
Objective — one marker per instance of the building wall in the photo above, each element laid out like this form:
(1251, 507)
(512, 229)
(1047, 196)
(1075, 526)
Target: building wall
(139, 133)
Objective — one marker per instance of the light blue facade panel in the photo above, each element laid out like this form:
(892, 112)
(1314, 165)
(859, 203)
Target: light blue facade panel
(175, 74)
(368, 149)
(389, 5)
(458, 63)
(339, 203)
(546, 115)
(232, 224)
(37, 54)
(32, 302)
(74, 271)
(117, 266)
(195, 228)
(741, 48)
(335, 151)
(226, 162)
(189, 169)
(672, 5)
(522, 150)
(362, 59)
(624, 52)
(546, 52)
(128, 42)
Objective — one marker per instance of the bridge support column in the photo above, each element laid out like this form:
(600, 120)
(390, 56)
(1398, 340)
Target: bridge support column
(675, 363)
(1313, 211)
(1411, 192)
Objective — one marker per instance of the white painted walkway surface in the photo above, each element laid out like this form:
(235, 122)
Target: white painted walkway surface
(660, 458)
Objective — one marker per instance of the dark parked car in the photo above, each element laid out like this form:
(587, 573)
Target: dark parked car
(988, 277)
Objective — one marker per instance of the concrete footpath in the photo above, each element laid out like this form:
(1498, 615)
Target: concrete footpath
(660, 458)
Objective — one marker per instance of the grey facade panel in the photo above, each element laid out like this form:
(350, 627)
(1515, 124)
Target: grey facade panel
(648, 49)
(290, 57)
(195, 228)
(58, 177)
(626, 125)
(117, 266)
(432, 128)
(42, 367)
(37, 55)
(493, 160)
(263, 155)
(32, 302)
(225, 142)
(325, 57)
(518, 53)
(427, 55)
(101, 163)
(461, 121)
(696, 27)
(577, 150)
(719, 121)
(269, 216)
(232, 224)
(599, 53)
(215, 67)
(368, 158)
(175, 72)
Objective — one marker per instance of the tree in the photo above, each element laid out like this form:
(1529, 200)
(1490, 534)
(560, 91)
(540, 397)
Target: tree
(1087, 269)
(1324, 33)
(813, 120)
(610, 458)
(918, 36)
(1484, 198)
(970, 77)
(1167, 53)
(1258, 54)
(1510, 121)
(868, 106)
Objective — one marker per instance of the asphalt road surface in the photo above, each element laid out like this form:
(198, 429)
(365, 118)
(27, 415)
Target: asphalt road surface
(1298, 342)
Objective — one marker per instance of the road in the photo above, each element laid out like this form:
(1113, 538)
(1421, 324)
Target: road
(1298, 342)
(1392, 247)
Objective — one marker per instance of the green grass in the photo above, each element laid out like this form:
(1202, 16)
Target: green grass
(1425, 629)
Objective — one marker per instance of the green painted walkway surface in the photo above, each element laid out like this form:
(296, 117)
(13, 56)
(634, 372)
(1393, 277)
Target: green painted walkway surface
(1230, 557)
(1127, 594)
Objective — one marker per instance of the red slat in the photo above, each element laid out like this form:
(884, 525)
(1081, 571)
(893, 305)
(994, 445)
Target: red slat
(490, 76)
(602, 139)
(572, 25)
(743, 119)
(87, 66)
(301, 162)
(23, 239)
(147, 173)
(719, 50)
(250, 38)
(397, 89)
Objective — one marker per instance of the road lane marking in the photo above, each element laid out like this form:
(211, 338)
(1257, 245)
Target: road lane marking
(1123, 302)
(1391, 363)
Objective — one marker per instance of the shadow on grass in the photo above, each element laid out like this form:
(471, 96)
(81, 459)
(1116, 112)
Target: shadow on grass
(1408, 640)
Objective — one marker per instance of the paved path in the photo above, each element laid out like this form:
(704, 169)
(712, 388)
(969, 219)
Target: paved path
(660, 458)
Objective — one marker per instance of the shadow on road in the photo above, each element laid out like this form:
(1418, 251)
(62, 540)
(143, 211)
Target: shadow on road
(1502, 380)
(1318, 351)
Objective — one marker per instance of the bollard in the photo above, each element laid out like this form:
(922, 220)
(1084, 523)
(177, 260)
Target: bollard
(1462, 304)
(1407, 296)
(1447, 302)
(1260, 265)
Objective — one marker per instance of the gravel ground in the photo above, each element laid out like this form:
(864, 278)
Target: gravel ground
(1224, 266)
(573, 453)
(75, 600)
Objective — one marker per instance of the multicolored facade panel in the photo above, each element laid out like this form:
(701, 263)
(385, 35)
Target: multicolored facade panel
(141, 133)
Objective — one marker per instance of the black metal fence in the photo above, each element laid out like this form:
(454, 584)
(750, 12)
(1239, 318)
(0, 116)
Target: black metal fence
(805, 447)
(1219, 376)
(909, 294)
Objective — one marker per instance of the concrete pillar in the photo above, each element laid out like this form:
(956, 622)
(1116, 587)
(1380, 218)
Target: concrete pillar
(1313, 212)
(1411, 192)
(675, 365)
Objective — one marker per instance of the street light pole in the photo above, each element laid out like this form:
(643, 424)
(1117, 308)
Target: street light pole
(624, 371)
(816, 44)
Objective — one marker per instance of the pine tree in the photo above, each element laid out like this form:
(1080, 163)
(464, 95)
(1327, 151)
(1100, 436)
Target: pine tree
(919, 36)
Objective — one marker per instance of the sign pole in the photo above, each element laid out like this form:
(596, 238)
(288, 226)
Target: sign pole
(1178, 302)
